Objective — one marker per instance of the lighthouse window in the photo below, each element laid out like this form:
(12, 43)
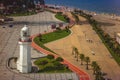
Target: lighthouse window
(24, 33)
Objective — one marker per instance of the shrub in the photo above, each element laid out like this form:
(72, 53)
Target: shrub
(43, 62)
(50, 56)
(58, 65)
(59, 59)
(49, 67)
(59, 13)
(62, 17)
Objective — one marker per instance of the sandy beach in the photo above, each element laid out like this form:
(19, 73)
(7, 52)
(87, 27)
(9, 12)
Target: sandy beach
(110, 24)
(80, 33)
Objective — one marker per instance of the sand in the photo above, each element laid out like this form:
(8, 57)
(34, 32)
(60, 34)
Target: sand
(110, 24)
(78, 38)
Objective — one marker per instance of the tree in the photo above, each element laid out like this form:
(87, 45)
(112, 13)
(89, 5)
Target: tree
(59, 59)
(17, 5)
(98, 74)
(87, 60)
(77, 54)
(76, 17)
(49, 56)
(82, 57)
(97, 71)
(40, 37)
(73, 50)
(94, 66)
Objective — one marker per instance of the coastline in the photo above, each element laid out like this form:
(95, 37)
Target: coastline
(103, 14)
(109, 22)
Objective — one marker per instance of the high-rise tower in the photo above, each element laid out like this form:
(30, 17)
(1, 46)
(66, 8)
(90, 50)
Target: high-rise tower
(24, 61)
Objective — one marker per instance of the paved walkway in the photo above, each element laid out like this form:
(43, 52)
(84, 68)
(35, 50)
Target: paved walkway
(9, 42)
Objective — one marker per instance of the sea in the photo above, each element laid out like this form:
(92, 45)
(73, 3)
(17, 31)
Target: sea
(98, 6)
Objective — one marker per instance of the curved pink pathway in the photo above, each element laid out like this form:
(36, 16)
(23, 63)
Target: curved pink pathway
(82, 75)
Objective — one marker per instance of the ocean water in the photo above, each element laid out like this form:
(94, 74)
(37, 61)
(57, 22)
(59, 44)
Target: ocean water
(99, 6)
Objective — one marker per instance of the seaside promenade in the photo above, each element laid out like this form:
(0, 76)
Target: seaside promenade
(9, 46)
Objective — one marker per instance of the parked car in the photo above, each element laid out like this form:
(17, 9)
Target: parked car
(9, 19)
(10, 25)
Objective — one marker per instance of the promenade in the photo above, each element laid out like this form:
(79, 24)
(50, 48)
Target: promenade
(9, 46)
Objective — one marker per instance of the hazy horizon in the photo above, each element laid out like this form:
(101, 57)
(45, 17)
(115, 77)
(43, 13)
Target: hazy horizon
(104, 6)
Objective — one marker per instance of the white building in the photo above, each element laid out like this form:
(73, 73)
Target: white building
(24, 61)
(118, 38)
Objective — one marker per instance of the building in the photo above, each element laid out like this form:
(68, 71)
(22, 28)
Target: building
(24, 64)
(2, 8)
(118, 37)
(40, 5)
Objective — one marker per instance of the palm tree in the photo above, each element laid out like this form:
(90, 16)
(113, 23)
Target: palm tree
(94, 66)
(73, 50)
(97, 71)
(87, 60)
(82, 57)
(98, 74)
(77, 54)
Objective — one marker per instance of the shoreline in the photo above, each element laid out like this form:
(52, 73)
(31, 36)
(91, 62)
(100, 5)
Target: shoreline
(93, 13)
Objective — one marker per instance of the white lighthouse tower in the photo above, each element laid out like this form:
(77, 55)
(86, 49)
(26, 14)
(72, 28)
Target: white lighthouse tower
(24, 61)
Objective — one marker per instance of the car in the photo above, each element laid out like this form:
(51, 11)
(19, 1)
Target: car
(9, 19)
(10, 25)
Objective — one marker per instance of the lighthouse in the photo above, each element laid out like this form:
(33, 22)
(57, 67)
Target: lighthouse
(24, 61)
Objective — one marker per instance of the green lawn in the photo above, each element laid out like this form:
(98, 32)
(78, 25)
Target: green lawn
(51, 37)
(61, 17)
(48, 65)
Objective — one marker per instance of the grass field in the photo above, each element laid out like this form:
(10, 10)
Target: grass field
(61, 17)
(51, 37)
